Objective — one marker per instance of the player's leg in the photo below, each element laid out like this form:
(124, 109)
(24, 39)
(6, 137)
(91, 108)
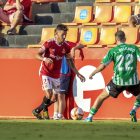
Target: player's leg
(110, 90)
(133, 20)
(17, 18)
(97, 104)
(47, 87)
(64, 86)
(4, 17)
(56, 107)
(135, 90)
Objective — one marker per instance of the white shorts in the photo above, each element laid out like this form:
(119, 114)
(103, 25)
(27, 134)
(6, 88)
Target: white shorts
(50, 83)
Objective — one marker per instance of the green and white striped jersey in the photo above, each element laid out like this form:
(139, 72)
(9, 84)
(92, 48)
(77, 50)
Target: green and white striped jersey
(125, 59)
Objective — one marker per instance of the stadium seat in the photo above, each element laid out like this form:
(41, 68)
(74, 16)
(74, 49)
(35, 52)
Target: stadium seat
(137, 10)
(132, 35)
(136, 0)
(107, 37)
(83, 14)
(124, 0)
(46, 1)
(29, 17)
(89, 36)
(121, 15)
(104, 1)
(102, 14)
(48, 33)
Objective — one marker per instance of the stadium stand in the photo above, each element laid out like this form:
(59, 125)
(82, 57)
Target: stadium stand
(106, 38)
(102, 14)
(121, 14)
(104, 1)
(137, 9)
(123, 0)
(48, 33)
(83, 14)
(134, 38)
(89, 36)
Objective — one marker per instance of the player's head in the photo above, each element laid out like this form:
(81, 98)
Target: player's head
(60, 33)
(120, 37)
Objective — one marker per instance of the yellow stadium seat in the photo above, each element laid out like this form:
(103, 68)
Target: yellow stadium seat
(124, 0)
(48, 33)
(83, 14)
(121, 14)
(136, 0)
(107, 37)
(89, 36)
(102, 14)
(104, 1)
(137, 10)
(132, 35)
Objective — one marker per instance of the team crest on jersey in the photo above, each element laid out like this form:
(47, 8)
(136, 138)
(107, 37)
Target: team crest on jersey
(63, 51)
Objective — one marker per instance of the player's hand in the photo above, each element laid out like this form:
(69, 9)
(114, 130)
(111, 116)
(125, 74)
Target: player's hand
(72, 52)
(49, 61)
(91, 76)
(82, 78)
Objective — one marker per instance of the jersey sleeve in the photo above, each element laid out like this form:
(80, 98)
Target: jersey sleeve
(72, 44)
(45, 47)
(138, 53)
(107, 58)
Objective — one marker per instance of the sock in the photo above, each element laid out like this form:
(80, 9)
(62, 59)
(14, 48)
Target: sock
(51, 102)
(92, 112)
(45, 103)
(60, 116)
(136, 104)
(40, 108)
(55, 114)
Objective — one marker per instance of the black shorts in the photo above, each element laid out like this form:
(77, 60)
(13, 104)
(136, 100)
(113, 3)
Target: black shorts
(115, 90)
(64, 84)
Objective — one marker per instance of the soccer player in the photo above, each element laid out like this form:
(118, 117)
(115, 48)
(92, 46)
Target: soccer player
(125, 76)
(51, 54)
(65, 74)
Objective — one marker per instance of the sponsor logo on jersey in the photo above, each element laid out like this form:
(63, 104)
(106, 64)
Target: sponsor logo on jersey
(63, 51)
(56, 57)
(45, 86)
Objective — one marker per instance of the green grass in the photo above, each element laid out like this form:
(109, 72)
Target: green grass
(68, 130)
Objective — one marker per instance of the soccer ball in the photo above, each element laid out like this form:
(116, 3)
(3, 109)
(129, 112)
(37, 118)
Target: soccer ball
(77, 113)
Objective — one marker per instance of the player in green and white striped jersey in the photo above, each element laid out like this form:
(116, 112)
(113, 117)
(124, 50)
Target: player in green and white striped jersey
(125, 77)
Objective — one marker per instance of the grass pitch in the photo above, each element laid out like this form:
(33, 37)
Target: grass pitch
(68, 130)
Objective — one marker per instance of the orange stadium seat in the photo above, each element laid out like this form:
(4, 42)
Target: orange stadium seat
(104, 0)
(102, 14)
(89, 36)
(107, 37)
(46, 1)
(83, 14)
(124, 0)
(48, 33)
(132, 35)
(121, 14)
(29, 17)
(137, 10)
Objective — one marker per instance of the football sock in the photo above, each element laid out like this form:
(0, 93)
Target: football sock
(45, 103)
(55, 114)
(92, 112)
(40, 108)
(136, 104)
(60, 116)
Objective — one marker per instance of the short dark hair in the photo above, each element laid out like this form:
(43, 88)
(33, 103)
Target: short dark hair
(61, 27)
(120, 35)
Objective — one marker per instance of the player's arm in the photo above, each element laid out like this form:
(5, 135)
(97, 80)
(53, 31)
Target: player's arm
(72, 66)
(78, 46)
(98, 69)
(39, 56)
